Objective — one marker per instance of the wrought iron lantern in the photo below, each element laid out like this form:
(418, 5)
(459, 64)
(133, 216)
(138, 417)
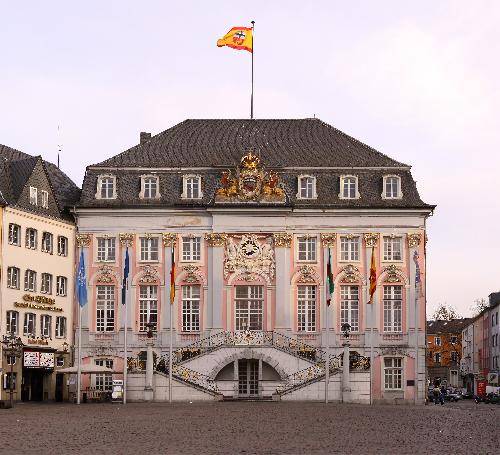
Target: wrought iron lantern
(150, 329)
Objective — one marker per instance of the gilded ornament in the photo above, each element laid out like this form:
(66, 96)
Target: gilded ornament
(216, 238)
(371, 240)
(307, 274)
(413, 240)
(351, 274)
(392, 274)
(169, 238)
(149, 275)
(192, 274)
(105, 273)
(83, 240)
(282, 239)
(126, 239)
(328, 239)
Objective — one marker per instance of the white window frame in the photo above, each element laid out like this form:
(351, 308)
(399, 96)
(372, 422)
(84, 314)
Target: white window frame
(148, 306)
(12, 318)
(61, 329)
(248, 307)
(46, 326)
(350, 248)
(399, 193)
(191, 306)
(343, 181)
(350, 307)
(13, 274)
(45, 199)
(47, 235)
(33, 195)
(307, 296)
(393, 308)
(307, 191)
(437, 341)
(146, 254)
(29, 318)
(100, 179)
(144, 190)
(393, 373)
(30, 280)
(46, 286)
(31, 238)
(187, 250)
(62, 245)
(105, 249)
(105, 308)
(61, 286)
(14, 234)
(186, 191)
(104, 381)
(388, 248)
(435, 356)
(310, 251)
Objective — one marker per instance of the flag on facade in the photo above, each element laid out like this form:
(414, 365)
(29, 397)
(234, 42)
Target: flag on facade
(373, 276)
(172, 278)
(240, 38)
(82, 282)
(126, 270)
(330, 286)
(418, 280)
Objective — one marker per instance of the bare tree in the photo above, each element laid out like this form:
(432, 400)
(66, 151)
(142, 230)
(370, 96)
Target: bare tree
(479, 306)
(445, 312)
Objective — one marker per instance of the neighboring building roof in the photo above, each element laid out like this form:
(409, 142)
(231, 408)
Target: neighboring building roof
(17, 169)
(494, 298)
(452, 326)
(291, 147)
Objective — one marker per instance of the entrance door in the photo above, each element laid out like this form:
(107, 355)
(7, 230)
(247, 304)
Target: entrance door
(59, 387)
(248, 378)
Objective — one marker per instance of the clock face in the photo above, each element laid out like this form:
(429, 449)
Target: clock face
(250, 249)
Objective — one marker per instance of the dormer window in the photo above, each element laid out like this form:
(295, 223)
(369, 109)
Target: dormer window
(349, 187)
(191, 187)
(307, 187)
(392, 187)
(45, 199)
(150, 188)
(33, 195)
(106, 187)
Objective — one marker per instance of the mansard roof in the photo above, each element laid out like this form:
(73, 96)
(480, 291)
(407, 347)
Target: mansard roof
(289, 147)
(18, 170)
(454, 326)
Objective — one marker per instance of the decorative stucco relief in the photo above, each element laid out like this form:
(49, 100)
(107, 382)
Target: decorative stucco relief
(350, 274)
(328, 239)
(105, 274)
(169, 238)
(216, 238)
(149, 275)
(126, 239)
(83, 240)
(282, 239)
(307, 274)
(371, 239)
(193, 274)
(413, 240)
(393, 274)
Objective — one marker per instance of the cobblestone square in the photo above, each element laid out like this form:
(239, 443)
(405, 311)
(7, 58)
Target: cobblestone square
(249, 427)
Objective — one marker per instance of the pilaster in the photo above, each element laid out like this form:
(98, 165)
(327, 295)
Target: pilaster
(215, 278)
(282, 243)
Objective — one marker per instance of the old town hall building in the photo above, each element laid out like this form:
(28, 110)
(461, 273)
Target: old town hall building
(254, 209)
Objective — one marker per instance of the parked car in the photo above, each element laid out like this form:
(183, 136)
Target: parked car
(467, 395)
(492, 398)
(453, 396)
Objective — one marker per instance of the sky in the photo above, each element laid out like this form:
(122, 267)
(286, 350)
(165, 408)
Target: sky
(418, 81)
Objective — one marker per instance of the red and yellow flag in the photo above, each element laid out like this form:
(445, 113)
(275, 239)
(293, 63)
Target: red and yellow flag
(373, 276)
(240, 38)
(172, 277)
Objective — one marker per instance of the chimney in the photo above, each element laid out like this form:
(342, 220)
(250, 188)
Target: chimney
(144, 137)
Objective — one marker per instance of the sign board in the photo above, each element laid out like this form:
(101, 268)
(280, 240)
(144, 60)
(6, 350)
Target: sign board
(35, 359)
(481, 388)
(493, 378)
(117, 394)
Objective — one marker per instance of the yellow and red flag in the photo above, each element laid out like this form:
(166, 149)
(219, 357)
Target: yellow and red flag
(373, 276)
(172, 277)
(240, 38)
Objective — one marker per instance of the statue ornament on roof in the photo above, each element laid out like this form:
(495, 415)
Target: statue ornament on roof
(250, 183)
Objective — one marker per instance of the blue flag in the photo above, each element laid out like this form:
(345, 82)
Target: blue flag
(126, 270)
(82, 282)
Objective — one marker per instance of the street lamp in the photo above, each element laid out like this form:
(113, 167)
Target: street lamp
(12, 347)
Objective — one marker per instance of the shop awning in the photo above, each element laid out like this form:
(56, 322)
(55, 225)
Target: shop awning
(87, 369)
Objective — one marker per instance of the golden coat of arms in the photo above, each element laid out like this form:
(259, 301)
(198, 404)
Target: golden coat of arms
(250, 182)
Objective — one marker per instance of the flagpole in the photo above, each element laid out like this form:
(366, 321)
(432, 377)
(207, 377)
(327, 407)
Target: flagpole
(372, 326)
(79, 370)
(125, 330)
(171, 328)
(416, 344)
(251, 96)
(327, 316)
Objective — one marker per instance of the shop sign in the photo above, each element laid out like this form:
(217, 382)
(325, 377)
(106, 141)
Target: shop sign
(38, 302)
(41, 341)
(481, 388)
(34, 359)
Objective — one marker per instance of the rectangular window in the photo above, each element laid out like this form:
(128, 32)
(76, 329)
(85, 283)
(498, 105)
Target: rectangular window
(306, 187)
(453, 339)
(149, 248)
(31, 238)
(391, 187)
(105, 306)
(104, 381)
(454, 356)
(46, 286)
(191, 308)
(14, 234)
(393, 373)
(437, 341)
(61, 286)
(393, 304)
(349, 188)
(249, 304)
(150, 187)
(7, 379)
(106, 249)
(29, 329)
(47, 242)
(349, 248)
(60, 327)
(193, 187)
(13, 277)
(46, 326)
(349, 306)
(107, 190)
(148, 307)
(12, 322)
(33, 195)
(45, 199)
(62, 246)
(30, 280)
(191, 248)
(307, 249)
(306, 308)
(392, 249)
(437, 357)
